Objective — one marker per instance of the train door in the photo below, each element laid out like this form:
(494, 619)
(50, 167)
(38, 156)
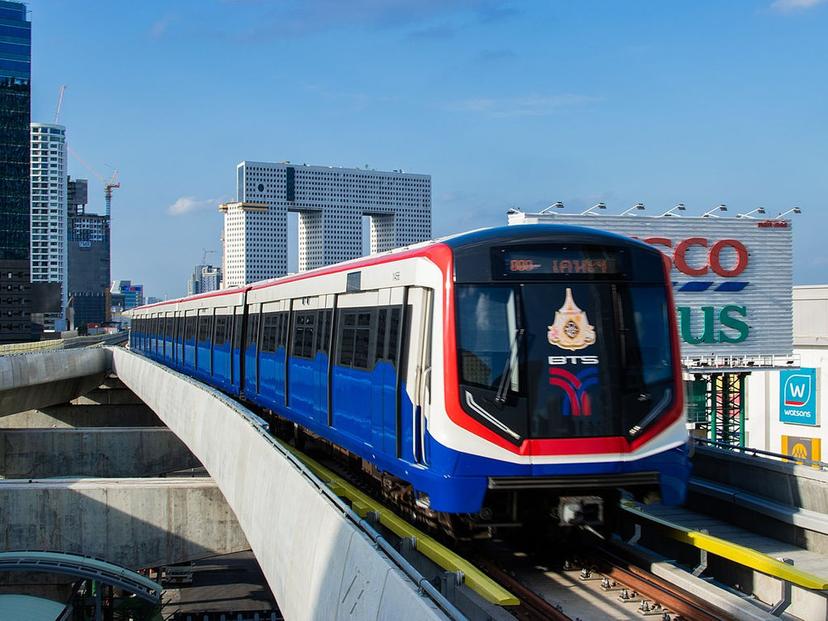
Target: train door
(222, 346)
(168, 336)
(304, 359)
(354, 401)
(415, 374)
(251, 350)
(236, 341)
(272, 353)
(179, 338)
(190, 339)
(388, 344)
(204, 331)
(323, 347)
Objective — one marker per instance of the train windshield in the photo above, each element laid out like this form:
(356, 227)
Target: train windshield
(564, 359)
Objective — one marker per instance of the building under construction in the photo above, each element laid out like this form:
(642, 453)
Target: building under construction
(89, 259)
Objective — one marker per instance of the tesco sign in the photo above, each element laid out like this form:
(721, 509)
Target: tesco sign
(732, 278)
(713, 254)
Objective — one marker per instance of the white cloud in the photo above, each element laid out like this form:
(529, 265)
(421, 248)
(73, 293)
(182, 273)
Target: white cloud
(532, 105)
(189, 204)
(159, 27)
(786, 6)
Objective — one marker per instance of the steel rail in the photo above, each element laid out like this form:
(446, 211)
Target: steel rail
(531, 604)
(652, 587)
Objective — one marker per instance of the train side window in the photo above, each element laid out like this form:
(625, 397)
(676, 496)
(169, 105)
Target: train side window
(362, 343)
(221, 330)
(346, 339)
(190, 328)
(382, 315)
(252, 329)
(304, 332)
(325, 319)
(204, 328)
(355, 339)
(269, 331)
(237, 330)
(394, 334)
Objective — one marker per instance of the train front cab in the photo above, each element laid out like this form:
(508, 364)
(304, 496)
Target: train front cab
(562, 371)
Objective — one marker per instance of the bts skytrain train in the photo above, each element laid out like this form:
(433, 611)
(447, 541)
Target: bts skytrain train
(483, 377)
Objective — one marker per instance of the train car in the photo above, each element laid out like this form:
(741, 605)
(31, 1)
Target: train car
(488, 375)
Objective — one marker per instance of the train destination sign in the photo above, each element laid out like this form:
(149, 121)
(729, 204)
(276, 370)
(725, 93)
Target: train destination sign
(732, 277)
(517, 262)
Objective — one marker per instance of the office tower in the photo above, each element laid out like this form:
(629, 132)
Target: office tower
(49, 219)
(331, 203)
(203, 279)
(88, 259)
(15, 116)
(127, 294)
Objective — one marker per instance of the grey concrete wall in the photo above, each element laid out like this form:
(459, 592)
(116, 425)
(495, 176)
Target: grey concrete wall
(72, 416)
(92, 452)
(133, 522)
(318, 563)
(36, 380)
(786, 483)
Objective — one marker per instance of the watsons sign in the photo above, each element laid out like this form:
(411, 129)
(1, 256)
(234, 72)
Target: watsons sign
(732, 278)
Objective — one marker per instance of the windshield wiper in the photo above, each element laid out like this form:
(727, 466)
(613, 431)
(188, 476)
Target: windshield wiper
(511, 363)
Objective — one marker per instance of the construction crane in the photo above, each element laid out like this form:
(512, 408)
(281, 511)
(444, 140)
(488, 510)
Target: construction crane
(59, 103)
(112, 183)
(204, 255)
(108, 184)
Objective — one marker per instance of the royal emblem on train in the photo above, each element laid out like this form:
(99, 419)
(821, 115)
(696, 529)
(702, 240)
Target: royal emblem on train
(571, 329)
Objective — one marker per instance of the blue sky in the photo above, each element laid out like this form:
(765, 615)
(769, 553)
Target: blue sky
(503, 103)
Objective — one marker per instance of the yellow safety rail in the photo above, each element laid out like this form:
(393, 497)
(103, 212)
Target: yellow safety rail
(362, 504)
(20, 348)
(734, 552)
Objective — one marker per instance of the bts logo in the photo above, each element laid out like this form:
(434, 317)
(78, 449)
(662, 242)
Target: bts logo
(556, 361)
(576, 389)
(797, 390)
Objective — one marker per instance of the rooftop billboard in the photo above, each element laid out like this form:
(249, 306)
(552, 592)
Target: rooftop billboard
(732, 278)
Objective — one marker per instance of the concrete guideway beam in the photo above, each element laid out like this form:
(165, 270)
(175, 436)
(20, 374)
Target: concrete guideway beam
(92, 452)
(37, 380)
(132, 522)
(318, 563)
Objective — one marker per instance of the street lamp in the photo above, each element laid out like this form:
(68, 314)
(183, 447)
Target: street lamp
(748, 215)
(796, 210)
(669, 212)
(712, 212)
(637, 206)
(556, 205)
(596, 206)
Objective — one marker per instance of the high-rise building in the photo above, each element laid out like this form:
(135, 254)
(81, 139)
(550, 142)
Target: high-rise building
(49, 220)
(132, 295)
(15, 116)
(331, 203)
(88, 258)
(203, 279)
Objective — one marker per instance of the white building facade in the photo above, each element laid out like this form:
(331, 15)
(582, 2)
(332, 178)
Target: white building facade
(49, 212)
(331, 203)
(770, 422)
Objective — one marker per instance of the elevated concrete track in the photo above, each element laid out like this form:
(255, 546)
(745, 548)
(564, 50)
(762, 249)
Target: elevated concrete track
(37, 380)
(319, 558)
